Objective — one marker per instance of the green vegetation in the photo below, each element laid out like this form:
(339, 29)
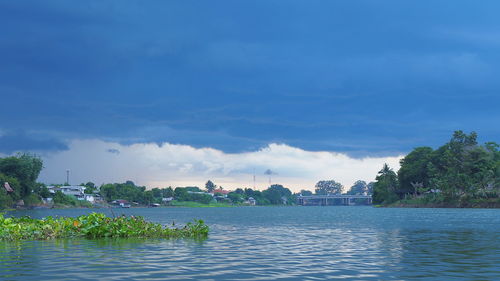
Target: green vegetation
(460, 173)
(361, 187)
(93, 226)
(328, 187)
(20, 172)
(193, 196)
(22, 191)
(130, 192)
(62, 200)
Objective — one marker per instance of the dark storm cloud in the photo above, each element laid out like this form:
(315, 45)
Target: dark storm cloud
(362, 77)
(21, 142)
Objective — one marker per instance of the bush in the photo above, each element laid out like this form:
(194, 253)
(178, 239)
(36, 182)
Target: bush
(5, 200)
(32, 199)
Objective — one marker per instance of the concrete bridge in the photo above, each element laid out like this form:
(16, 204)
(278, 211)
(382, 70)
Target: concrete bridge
(332, 199)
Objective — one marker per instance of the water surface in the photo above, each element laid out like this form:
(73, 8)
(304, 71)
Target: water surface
(275, 243)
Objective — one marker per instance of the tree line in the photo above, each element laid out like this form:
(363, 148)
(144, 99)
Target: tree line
(21, 172)
(274, 195)
(460, 173)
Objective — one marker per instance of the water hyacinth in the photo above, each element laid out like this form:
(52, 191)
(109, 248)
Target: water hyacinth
(92, 226)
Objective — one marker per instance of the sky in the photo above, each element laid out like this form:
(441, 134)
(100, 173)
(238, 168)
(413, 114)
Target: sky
(179, 92)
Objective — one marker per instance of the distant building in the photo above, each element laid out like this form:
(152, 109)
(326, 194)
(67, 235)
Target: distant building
(122, 203)
(221, 192)
(200, 192)
(167, 200)
(89, 197)
(250, 201)
(77, 191)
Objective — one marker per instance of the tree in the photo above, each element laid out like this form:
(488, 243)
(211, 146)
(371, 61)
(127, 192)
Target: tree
(384, 188)
(414, 171)
(210, 186)
(90, 187)
(180, 194)
(7, 198)
(62, 199)
(461, 171)
(463, 168)
(358, 188)
(44, 192)
(306, 192)
(25, 168)
(235, 197)
(369, 187)
(277, 194)
(167, 192)
(328, 187)
(157, 193)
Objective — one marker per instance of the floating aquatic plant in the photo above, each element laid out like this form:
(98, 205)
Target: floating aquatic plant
(93, 226)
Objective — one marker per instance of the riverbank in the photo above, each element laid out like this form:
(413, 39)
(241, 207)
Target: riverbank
(174, 204)
(493, 203)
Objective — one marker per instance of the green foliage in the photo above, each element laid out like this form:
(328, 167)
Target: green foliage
(359, 187)
(44, 192)
(236, 197)
(192, 194)
(32, 200)
(414, 171)
(90, 188)
(328, 187)
(23, 167)
(461, 171)
(7, 199)
(277, 194)
(201, 198)
(306, 192)
(61, 199)
(385, 185)
(93, 226)
(130, 192)
(210, 186)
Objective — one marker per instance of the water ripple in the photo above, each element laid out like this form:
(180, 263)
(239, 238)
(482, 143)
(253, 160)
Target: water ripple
(313, 243)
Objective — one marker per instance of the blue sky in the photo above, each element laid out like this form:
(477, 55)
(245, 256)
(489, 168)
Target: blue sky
(365, 78)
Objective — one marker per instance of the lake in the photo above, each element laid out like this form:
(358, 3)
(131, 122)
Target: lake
(275, 243)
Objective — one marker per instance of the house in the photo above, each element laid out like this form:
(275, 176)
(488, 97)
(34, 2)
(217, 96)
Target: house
(122, 203)
(221, 192)
(77, 191)
(200, 192)
(89, 197)
(74, 190)
(167, 200)
(250, 201)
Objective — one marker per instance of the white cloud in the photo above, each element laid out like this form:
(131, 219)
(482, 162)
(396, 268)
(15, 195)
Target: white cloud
(181, 165)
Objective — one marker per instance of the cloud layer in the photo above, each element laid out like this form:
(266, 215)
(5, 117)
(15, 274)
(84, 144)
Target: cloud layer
(182, 165)
(360, 77)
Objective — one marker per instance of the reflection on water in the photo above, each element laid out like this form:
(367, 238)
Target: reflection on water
(296, 243)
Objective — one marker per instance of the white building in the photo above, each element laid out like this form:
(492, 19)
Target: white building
(75, 190)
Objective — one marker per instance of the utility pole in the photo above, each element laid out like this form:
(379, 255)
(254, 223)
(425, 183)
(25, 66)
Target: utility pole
(67, 176)
(254, 179)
